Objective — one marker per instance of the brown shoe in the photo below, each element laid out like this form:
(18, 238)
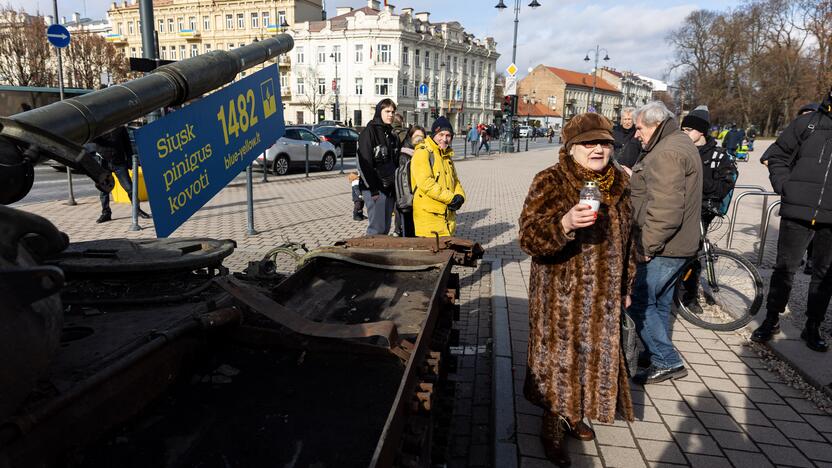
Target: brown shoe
(582, 431)
(552, 435)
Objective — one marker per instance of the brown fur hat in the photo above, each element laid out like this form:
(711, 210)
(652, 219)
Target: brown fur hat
(588, 126)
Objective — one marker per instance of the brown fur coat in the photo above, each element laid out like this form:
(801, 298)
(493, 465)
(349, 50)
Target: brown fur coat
(576, 291)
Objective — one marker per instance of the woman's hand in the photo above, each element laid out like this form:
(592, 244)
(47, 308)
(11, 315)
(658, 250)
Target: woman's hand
(580, 216)
(628, 301)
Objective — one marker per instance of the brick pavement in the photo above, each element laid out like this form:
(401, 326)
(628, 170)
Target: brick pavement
(730, 411)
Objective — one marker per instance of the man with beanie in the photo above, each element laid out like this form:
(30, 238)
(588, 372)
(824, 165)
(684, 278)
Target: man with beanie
(800, 170)
(719, 174)
(666, 190)
(437, 192)
(378, 156)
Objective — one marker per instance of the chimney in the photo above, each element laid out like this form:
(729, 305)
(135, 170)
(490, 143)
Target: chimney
(50, 20)
(63, 19)
(389, 8)
(76, 17)
(342, 10)
(423, 16)
(374, 4)
(407, 11)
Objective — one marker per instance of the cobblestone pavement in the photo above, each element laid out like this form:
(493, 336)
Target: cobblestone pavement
(731, 410)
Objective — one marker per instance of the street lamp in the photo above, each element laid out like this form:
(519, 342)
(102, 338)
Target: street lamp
(597, 51)
(502, 6)
(336, 116)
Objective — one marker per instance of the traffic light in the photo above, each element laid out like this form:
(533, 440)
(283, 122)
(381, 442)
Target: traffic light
(509, 103)
(434, 113)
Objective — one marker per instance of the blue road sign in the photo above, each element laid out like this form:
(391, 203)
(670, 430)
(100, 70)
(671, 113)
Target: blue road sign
(423, 89)
(191, 154)
(58, 36)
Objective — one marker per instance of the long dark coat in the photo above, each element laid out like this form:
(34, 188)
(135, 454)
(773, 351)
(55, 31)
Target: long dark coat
(576, 366)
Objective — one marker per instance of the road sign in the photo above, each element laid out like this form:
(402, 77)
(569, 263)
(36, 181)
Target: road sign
(189, 155)
(423, 89)
(511, 69)
(58, 36)
(511, 86)
(422, 104)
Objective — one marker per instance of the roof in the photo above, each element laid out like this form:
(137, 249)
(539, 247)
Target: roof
(340, 22)
(537, 109)
(581, 79)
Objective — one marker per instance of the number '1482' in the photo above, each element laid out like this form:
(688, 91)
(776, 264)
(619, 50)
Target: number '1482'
(242, 115)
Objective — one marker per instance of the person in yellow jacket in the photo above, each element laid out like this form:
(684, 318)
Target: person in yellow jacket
(437, 192)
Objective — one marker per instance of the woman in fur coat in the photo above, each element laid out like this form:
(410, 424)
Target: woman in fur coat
(582, 269)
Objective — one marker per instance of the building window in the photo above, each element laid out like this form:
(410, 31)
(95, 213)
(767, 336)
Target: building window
(299, 54)
(456, 65)
(427, 59)
(359, 86)
(230, 47)
(130, 28)
(405, 56)
(383, 86)
(255, 20)
(383, 53)
(192, 23)
(132, 51)
(170, 25)
(436, 60)
(266, 16)
(207, 48)
(321, 54)
(281, 19)
(284, 78)
(182, 51)
(322, 86)
(336, 53)
(161, 26)
(359, 53)
(416, 58)
(180, 23)
(299, 115)
(206, 23)
(465, 66)
(229, 22)
(194, 51)
(241, 21)
(301, 89)
(405, 84)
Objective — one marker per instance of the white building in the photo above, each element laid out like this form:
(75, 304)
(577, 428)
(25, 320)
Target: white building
(373, 53)
(101, 26)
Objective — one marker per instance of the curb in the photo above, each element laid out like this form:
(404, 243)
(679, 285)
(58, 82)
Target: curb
(502, 388)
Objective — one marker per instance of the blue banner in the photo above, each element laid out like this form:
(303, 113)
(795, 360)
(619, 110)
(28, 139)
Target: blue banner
(191, 154)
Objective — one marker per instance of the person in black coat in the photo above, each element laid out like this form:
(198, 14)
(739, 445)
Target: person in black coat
(800, 170)
(378, 156)
(733, 139)
(114, 153)
(627, 147)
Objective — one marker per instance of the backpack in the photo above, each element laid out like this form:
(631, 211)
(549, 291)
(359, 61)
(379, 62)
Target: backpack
(404, 192)
(733, 174)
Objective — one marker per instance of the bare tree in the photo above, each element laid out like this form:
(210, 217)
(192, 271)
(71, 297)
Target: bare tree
(89, 56)
(25, 54)
(312, 98)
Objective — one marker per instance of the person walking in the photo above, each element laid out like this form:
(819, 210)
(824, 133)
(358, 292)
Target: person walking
(800, 170)
(437, 191)
(627, 146)
(114, 153)
(415, 136)
(583, 265)
(378, 155)
(485, 138)
(719, 174)
(473, 139)
(667, 202)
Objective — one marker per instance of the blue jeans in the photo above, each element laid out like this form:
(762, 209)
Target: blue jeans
(652, 297)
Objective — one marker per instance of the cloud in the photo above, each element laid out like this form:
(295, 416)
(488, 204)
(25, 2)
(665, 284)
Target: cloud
(633, 35)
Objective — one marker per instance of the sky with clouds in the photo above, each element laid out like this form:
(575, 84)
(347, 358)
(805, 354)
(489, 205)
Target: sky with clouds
(559, 33)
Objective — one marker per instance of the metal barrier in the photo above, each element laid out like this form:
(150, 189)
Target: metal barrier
(759, 191)
(764, 230)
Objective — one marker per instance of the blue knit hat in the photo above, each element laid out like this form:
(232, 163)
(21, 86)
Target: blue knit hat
(440, 124)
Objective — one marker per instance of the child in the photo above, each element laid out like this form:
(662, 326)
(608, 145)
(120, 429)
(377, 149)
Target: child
(357, 201)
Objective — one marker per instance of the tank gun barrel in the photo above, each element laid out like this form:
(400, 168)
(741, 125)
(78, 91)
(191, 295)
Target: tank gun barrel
(83, 118)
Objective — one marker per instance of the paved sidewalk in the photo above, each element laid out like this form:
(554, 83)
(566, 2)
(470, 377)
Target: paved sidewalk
(731, 409)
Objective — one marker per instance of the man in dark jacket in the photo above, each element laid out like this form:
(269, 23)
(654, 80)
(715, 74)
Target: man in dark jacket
(733, 140)
(800, 170)
(666, 195)
(719, 174)
(114, 152)
(627, 146)
(378, 155)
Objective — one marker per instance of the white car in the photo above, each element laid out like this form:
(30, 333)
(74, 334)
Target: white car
(525, 131)
(290, 151)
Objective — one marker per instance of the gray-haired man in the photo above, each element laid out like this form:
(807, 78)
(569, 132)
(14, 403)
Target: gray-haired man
(667, 201)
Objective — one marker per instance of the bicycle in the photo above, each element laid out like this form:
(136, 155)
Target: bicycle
(730, 285)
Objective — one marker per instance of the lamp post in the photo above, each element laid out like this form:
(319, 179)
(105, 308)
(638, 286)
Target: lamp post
(336, 115)
(502, 6)
(597, 51)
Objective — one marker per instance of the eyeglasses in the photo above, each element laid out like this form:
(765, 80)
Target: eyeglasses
(595, 144)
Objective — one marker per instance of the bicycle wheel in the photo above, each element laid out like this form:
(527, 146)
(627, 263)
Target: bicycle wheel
(733, 298)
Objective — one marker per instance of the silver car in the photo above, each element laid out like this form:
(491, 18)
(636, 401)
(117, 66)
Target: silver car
(290, 151)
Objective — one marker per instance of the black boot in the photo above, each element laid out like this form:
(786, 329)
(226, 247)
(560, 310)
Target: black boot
(552, 435)
(811, 335)
(769, 328)
(105, 216)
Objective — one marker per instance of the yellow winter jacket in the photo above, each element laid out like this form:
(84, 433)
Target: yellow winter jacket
(434, 188)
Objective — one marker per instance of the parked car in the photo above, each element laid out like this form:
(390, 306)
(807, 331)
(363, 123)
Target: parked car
(326, 123)
(289, 151)
(525, 131)
(338, 135)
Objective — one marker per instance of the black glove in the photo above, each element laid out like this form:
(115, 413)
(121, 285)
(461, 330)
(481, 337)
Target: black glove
(456, 203)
